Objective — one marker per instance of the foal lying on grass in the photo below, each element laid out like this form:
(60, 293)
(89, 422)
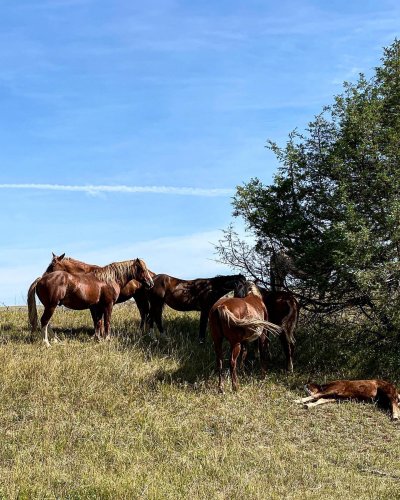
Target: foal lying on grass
(361, 390)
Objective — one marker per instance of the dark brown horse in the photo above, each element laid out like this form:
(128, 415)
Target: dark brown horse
(283, 310)
(97, 290)
(240, 320)
(189, 295)
(133, 289)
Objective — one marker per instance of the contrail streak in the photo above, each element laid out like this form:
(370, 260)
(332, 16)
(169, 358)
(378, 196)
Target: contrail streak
(91, 189)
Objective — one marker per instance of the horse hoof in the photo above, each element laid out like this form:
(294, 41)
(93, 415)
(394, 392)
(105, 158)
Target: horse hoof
(47, 344)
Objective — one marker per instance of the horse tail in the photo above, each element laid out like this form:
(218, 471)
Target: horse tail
(32, 310)
(253, 324)
(290, 321)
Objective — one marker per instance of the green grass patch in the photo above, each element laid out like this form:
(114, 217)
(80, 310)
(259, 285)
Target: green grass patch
(137, 418)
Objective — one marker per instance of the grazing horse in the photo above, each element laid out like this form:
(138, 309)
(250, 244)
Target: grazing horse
(238, 320)
(363, 390)
(133, 289)
(97, 290)
(189, 295)
(283, 310)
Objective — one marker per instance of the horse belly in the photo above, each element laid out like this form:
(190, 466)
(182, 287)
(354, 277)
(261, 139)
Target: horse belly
(82, 296)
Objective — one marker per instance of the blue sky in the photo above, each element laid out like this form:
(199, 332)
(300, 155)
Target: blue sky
(167, 105)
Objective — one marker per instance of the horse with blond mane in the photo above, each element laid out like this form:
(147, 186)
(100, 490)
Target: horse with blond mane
(132, 290)
(97, 290)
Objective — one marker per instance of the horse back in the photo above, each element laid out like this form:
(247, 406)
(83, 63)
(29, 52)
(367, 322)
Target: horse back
(352, 389)
(76, 291)
(243, 307)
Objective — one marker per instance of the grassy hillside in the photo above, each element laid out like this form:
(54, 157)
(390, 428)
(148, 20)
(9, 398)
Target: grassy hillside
(134, 418)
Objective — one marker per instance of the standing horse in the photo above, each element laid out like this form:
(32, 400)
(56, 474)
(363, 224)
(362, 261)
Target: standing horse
(189, 295)
(240, 320)
(283, 310)
(97, 291)
(133, 289)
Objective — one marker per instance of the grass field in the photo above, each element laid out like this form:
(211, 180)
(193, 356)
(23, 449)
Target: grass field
(138, 419)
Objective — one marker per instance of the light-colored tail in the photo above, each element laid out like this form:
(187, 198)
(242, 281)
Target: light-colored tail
(252, 324)
(289, 323)
(32, 310)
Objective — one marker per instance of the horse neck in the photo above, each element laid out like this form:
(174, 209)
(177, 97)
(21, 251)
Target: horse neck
(70, 264)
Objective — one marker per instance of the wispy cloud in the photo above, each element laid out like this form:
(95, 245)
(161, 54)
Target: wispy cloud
(91, 189)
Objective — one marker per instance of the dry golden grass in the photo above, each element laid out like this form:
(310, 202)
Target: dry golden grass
(134, 418)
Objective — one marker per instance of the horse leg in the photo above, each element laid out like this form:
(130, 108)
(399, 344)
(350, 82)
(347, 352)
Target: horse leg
(55, 336)
(395, 408)
(97, 323)
(143, 305)
(44, 321)
(217, 339)
(244, 352)
(235, 351)
(107, 320)
(288, 349)
(156, 309)
(203, 325)
(305, 400)
(263, 343)
(321, 401)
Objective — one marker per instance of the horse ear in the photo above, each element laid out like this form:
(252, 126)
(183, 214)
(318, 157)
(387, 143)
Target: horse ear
(54, 255)
(61, 256)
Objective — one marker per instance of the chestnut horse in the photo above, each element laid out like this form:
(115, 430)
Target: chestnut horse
(363, 390)
(133, 289)
(189, 295)
(240, 320)
(283, 310)
(97, 291)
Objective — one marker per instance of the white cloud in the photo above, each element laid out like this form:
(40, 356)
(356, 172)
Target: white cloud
(92, 189)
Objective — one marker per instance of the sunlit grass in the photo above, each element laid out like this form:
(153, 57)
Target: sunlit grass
(138, 418)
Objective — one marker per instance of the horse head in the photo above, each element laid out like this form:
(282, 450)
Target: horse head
(142, 274)
(247, 288)
(53, 266)
(239, 288)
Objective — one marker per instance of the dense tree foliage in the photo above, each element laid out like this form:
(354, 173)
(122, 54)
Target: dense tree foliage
(333, 209)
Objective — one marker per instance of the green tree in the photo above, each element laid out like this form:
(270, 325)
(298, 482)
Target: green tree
(333, 209)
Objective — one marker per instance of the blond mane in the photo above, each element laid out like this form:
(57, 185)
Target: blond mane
(117, 271)
(252, 289)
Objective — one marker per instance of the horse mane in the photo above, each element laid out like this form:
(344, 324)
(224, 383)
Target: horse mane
(116, 271)
(253, 289)
(222, 279)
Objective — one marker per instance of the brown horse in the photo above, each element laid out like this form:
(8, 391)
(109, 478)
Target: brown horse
(97, 290)
(133, 289)
(363, 390)
(238, 320)
(283, 310)
(189, 295)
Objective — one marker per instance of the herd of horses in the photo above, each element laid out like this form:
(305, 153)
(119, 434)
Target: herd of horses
(251, 314)
(78, 285)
